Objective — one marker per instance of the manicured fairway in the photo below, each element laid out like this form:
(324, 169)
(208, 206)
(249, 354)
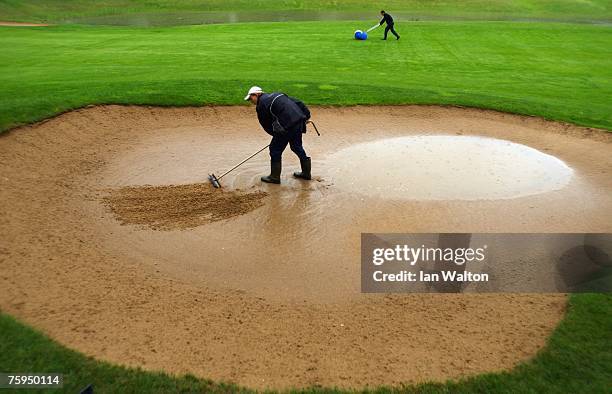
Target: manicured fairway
(576, 360)
(558, 71)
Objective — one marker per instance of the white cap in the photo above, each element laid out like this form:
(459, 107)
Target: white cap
(253, 90)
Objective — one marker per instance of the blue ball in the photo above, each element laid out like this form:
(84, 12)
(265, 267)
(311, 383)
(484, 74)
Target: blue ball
(361, 35)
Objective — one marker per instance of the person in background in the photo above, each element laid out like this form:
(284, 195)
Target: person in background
(388, 19)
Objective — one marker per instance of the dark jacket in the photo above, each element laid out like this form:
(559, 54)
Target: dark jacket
(388, 19)
(289, 111)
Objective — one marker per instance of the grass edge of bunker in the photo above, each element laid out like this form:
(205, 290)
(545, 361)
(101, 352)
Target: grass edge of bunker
(575, 359)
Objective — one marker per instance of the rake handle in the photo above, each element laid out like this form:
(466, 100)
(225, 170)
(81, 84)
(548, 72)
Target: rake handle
(242, 162)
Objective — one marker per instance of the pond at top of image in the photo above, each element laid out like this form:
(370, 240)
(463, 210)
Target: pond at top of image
(444, 167)
(365, 19)
(211, 17)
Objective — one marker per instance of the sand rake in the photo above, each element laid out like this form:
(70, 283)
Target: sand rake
(216, 180)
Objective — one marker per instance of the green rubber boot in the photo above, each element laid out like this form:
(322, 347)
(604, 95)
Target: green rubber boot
(275, 171)
(305, 173)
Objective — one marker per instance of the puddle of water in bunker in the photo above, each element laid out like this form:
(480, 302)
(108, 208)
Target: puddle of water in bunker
(444, 167)
(304, 241)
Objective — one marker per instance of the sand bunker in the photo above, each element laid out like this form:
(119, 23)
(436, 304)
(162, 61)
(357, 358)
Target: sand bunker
(179, 206)
(270, 297)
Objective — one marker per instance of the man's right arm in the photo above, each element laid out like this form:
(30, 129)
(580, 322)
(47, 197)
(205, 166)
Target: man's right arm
(264, 119)
(382, 21)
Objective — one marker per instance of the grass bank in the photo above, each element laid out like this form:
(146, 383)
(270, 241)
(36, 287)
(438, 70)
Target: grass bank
(577, 359)
(56, 11)
(557, 71)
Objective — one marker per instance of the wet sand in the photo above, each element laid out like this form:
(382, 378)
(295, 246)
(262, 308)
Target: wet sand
(179, 206)
(270, 298)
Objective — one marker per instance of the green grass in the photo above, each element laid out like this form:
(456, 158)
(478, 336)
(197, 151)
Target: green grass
(577, 359)
(557, 71)
(58, 11)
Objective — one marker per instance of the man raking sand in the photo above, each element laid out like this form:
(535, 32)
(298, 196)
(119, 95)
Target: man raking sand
(285, 119)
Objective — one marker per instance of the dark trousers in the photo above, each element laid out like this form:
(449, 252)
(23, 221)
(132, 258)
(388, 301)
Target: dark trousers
(293, 138)
(390, 28)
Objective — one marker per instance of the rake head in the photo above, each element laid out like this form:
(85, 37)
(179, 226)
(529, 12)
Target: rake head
(213, 179)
